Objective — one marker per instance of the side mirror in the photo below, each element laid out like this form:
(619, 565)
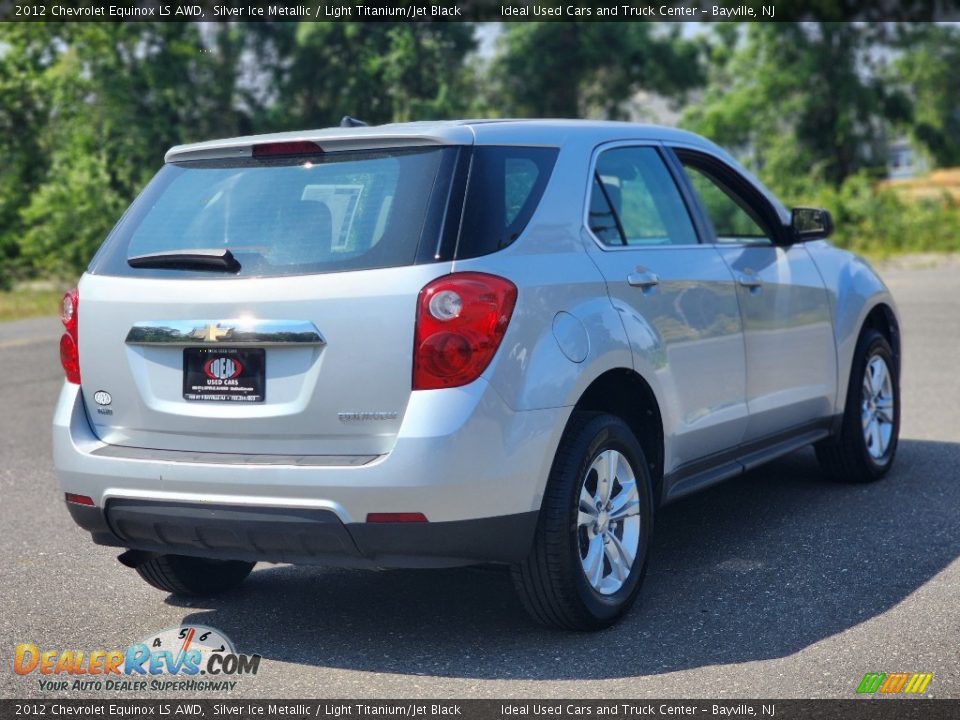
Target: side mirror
(810, 224)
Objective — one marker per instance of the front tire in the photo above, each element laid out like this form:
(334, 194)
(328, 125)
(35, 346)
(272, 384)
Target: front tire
(590, 549)
(866, 445)
(193, 576)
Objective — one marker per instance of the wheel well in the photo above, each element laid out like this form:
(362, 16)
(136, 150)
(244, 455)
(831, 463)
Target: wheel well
(624, 393)
(882, 319)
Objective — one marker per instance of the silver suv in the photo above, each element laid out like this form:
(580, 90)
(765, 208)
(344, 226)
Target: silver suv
(438, 344)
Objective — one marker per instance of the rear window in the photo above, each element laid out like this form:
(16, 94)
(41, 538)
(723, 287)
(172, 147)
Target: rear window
(333, 212)
(323, 213)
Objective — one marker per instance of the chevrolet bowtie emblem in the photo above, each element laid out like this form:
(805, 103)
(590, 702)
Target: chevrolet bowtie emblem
(211, 333)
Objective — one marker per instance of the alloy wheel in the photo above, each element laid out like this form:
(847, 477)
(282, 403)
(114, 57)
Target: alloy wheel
(608, 522)
(877, 407)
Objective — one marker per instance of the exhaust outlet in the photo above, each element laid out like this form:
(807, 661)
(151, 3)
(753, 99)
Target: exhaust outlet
(135, 558)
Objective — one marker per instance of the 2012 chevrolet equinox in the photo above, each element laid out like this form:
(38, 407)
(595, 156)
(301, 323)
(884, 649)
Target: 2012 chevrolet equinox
(436, 344)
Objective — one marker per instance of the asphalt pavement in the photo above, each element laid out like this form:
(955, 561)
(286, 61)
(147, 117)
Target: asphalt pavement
(772, 585)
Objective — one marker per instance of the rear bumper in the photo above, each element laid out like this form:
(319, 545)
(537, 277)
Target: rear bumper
(303, 536)
(472, 466)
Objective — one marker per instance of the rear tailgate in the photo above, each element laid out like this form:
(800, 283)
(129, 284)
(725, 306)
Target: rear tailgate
(343, 395)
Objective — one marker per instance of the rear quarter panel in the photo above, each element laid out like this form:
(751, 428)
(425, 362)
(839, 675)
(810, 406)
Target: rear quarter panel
(564, 332)
(554, 274)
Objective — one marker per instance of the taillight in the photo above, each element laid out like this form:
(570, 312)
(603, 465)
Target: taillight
(69, 342)
(461, 319)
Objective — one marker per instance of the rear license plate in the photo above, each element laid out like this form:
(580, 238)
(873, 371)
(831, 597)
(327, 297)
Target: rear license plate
(224, 374)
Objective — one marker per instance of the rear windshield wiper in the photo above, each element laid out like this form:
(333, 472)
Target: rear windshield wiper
(188, 259)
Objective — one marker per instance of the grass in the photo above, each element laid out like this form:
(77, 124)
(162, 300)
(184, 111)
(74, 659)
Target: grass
(29, 301)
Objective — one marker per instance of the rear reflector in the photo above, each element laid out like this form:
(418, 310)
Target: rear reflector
(79, 499)
(396, 517)
(295, 147)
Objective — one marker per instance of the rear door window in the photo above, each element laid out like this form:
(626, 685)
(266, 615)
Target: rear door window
(635, 202)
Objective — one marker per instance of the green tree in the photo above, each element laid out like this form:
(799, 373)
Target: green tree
(25, 108)
(575, 69)
(378, 72)
(115, 97)
(801, 100)
(927, 70)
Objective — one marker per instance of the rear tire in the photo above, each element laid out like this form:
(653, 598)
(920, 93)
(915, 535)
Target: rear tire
(866, 445)
(589, 554)
(193, 576)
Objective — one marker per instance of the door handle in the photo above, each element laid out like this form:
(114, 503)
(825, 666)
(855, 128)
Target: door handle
(749, 281)
(644, 280)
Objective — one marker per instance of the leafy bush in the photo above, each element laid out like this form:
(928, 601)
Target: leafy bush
(878, 222)
(69, 216)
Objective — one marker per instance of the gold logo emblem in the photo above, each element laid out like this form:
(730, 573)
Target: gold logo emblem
(211, 333)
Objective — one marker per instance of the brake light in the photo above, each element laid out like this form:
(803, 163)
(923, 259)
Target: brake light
(461, 319)
(293, 147)
(69, 342)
